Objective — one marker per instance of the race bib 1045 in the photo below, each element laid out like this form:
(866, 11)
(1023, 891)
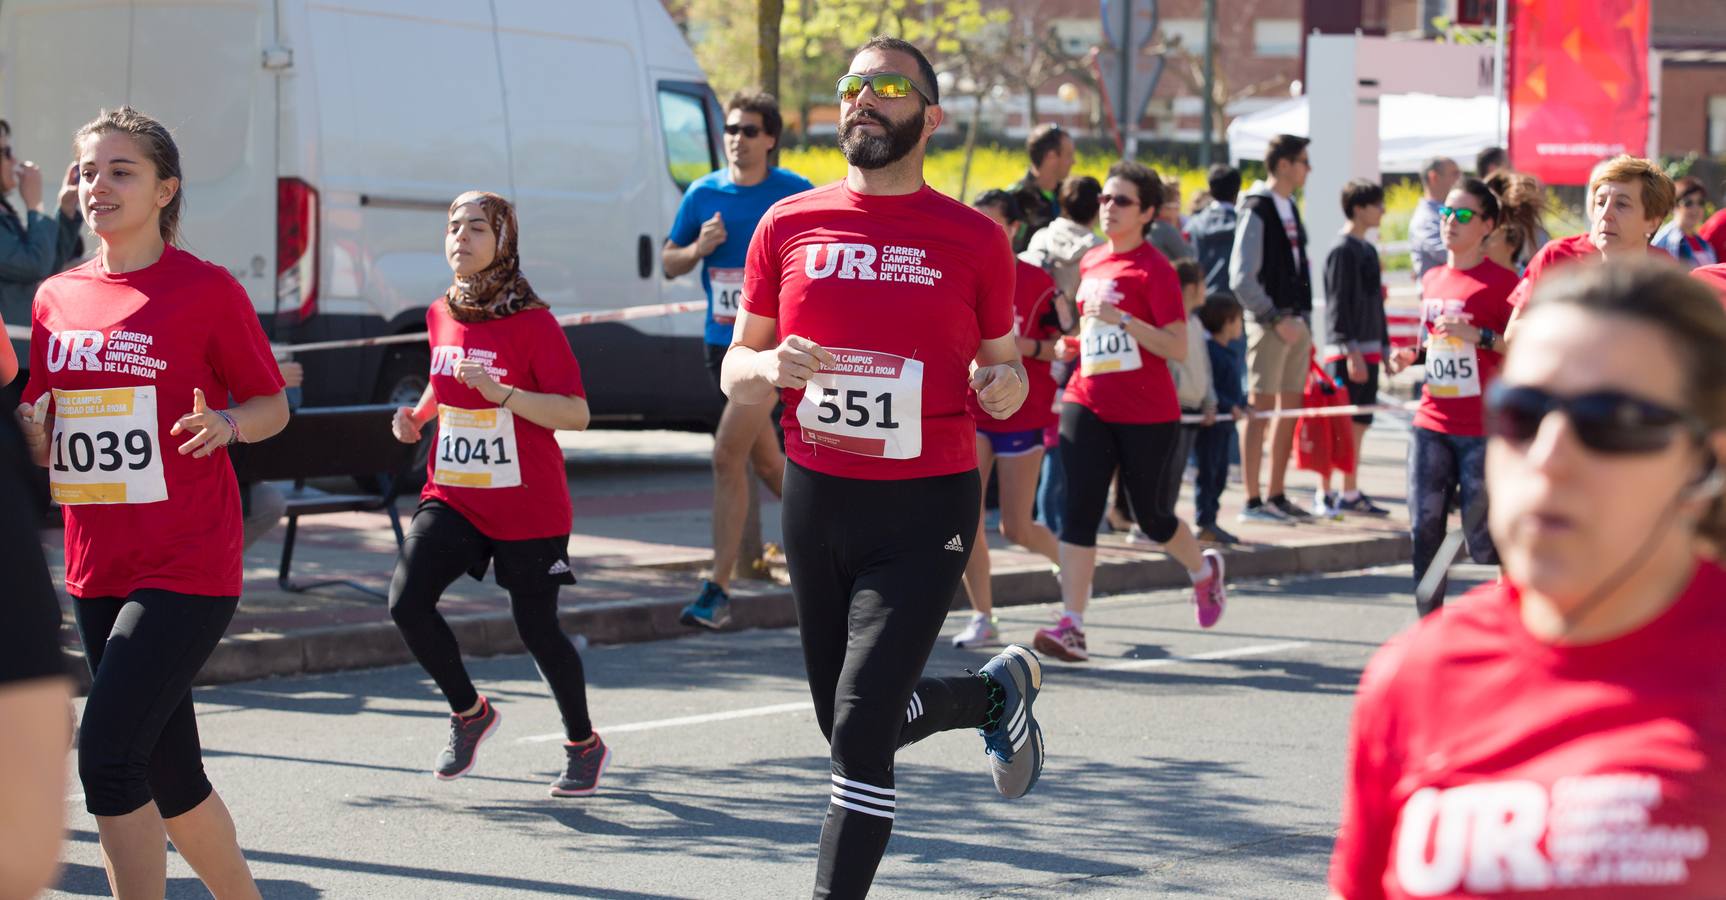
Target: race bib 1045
(105, 448)
(476, 448)
(868, 403)
(1452, 368)
(727, 287)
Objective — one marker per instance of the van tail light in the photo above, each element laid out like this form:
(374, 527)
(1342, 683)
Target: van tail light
(296, 249)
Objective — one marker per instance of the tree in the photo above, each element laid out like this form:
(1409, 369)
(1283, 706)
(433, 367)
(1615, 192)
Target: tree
(768, 14)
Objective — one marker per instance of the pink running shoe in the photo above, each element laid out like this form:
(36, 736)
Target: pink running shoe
(1209, 595)
(1065, 641)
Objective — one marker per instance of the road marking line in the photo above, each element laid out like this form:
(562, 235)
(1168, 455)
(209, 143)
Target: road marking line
(1254, 650)
(701, 719)
(804, 705)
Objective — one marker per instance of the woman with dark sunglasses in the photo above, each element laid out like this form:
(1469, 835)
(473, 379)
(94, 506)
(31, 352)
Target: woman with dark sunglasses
(1560, 733)
(1465, 306)
(1681, 237)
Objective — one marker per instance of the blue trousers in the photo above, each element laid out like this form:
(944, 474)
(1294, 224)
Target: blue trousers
(1440, 466)
(1212, 449)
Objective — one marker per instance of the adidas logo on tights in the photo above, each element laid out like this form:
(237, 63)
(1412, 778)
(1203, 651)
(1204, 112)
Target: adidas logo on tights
(558, 568)
(956, 545)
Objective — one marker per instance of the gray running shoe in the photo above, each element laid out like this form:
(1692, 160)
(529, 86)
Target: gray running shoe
(465, 736)
(1263, 512)
(1015, 744)
(582, 771)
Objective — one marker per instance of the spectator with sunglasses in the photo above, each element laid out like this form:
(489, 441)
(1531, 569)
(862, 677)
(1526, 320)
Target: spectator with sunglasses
(1682, 236)
(1560, 733)
(35, 242)
(1464, 307)
(714, 223)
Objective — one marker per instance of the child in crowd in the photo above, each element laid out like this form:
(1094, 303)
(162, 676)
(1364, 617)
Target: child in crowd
(1223, 319)
(1193, 386)
(1354, 323)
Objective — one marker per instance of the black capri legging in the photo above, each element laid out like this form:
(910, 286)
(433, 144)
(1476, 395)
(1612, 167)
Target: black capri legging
(139, 739)
(1091, 449)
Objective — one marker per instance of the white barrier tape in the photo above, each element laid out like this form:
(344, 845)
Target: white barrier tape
(1317, 412)
(653, 311)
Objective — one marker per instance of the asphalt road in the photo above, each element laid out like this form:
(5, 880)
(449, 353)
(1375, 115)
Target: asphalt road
(1181, 763)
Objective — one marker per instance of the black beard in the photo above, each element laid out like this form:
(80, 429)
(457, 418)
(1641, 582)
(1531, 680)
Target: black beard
(869, 151)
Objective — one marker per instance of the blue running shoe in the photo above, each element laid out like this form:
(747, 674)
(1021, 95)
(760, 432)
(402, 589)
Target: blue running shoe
(1015, 744)
(711, 610)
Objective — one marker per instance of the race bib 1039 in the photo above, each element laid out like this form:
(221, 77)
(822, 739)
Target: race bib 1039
(105, 448)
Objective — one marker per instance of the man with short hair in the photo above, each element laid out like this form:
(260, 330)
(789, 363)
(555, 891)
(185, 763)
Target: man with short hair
(1425, 245)
(35, 241)
(1489, 161)
(1212, 229)
(879, 306)
(1272, 278)
(1165, 233)
(1051, 150)
(713, 226)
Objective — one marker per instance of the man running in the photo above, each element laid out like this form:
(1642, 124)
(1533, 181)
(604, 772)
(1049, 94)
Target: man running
(718, 214)
(869, 302)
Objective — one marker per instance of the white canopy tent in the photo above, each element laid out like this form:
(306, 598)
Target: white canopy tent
(1411, 129)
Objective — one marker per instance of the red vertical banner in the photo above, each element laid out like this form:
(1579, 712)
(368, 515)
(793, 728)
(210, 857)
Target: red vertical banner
(1579, 87)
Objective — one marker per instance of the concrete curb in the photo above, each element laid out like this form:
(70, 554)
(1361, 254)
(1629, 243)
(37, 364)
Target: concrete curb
(243, 657)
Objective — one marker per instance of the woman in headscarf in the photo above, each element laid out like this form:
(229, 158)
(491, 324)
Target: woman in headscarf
(503, 379)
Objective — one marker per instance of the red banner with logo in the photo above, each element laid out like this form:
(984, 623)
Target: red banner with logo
(1579, 87)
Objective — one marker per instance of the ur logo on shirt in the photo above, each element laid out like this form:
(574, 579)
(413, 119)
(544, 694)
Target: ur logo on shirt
(444, 360)
(864, 262)
(74, 351)
(1508, 836)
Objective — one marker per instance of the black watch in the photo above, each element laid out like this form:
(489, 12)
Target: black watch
(1486, 338)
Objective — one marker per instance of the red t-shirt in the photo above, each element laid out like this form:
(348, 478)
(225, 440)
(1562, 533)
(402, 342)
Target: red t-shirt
(1452, 401)
(1714, 276)
(903, 289)
(1557, 252)
(139, 514)
(1487, 763)
(1714, 232)
(528, 351)
(1033, 295)
(1140, 282)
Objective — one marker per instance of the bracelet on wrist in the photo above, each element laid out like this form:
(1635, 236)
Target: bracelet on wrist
(505, 401)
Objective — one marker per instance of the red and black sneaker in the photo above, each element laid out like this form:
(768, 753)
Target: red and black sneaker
(581, 772)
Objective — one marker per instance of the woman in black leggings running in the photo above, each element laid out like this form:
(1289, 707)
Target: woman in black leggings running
(503, 380)
(124, 351)
(868, 302)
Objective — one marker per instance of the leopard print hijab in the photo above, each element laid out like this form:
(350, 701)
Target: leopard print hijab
(498, 290)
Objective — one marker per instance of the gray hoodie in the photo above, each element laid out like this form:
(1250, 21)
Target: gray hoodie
(1057, 250)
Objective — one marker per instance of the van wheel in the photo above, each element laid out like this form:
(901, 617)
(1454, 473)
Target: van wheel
(401, 381)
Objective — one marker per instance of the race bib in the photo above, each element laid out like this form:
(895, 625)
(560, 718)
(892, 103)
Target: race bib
(105, 448)
(1452, 368)
(1105, 349)
(727, 287)
(476, 448)
(867, 403)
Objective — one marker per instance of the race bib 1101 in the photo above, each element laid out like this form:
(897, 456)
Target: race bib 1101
(105, 448)
(1105, 349)
(476, 448)
(868, 403)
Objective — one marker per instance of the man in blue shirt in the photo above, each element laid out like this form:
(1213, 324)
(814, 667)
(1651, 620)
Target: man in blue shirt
(713, 227)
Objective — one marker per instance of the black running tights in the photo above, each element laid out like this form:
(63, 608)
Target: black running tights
(875, 567)
(441, 546)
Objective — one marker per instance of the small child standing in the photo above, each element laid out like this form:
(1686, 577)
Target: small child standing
(1193, 386)
(1222, 318)
(1354, 323)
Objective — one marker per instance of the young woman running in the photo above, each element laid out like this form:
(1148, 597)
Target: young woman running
(129, 355)
(1559, 734)
(1013, 447)
(502, 380)
(1121, 409)
(1465, 306)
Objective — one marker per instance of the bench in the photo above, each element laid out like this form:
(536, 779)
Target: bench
(331, 442)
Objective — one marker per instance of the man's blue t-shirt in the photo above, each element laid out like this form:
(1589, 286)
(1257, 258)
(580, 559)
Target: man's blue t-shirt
(741, 209)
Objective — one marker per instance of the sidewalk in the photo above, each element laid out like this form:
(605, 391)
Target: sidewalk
(640, 542)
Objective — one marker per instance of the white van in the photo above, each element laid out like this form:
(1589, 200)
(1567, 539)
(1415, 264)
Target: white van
(323, 141)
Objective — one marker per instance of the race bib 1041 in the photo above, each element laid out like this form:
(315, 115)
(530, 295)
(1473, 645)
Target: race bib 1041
(476, 448)
(105, 448)
(868, 403)
(727, 287)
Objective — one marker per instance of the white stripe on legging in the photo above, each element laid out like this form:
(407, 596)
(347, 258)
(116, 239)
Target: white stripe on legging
(886, 793)
(862, 809)
(841, 792)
